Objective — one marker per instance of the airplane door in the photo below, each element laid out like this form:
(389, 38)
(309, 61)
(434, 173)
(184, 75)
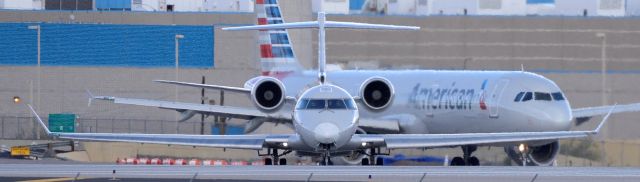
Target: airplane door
(494, 98)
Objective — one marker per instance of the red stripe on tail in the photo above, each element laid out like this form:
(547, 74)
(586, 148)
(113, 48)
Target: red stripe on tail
(265, 51)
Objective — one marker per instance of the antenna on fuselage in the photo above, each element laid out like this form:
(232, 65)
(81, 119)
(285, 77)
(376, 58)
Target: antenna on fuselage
(322, 24)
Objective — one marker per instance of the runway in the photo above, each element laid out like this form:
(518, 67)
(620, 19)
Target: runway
(102, 172)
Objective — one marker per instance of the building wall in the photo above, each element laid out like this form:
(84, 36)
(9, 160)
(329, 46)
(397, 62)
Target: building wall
(107, 45)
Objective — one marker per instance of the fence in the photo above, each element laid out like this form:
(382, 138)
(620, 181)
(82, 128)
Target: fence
(25, 128)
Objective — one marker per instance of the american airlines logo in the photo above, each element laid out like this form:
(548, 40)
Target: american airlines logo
(452, 98)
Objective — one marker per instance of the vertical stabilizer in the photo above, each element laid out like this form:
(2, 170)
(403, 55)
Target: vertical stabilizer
(277, 57)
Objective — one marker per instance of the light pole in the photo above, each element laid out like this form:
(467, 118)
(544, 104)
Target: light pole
(37, 28)
(603, 37)
(177, 41)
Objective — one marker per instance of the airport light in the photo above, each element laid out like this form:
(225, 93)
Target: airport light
(37, 28)
(16, 99)
(285, 144)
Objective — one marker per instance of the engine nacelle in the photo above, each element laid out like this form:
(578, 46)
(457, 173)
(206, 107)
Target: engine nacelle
(267, 94)
(377, 93)
(542, 155)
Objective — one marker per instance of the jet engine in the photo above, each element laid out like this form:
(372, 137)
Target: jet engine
(267, 94)
(542, 155)
(377, 93)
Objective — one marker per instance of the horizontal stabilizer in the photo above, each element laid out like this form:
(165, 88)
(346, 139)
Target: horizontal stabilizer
(327, 24)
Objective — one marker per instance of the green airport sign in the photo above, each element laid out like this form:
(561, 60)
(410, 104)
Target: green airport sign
(62, 123)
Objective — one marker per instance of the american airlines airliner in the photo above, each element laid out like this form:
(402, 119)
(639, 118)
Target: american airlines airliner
(353, 116)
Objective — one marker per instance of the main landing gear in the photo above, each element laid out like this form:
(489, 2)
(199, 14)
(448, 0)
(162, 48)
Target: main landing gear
(372, 156)
(466, 159)
(274, 157)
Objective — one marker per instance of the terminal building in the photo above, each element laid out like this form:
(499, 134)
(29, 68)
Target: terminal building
(387, 7)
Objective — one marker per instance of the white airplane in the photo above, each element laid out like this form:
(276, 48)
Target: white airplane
(351, 115)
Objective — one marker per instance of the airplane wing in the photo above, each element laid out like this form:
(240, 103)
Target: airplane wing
(398, 141)
(206, 86)
(224, 111)
(582, 115)
(602, 110)
(255, 142)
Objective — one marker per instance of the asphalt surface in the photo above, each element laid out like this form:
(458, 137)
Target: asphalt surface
(16, 171)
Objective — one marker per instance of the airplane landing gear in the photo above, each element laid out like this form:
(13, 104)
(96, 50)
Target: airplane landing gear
(466, 159)
(373, 158)
(274, 157)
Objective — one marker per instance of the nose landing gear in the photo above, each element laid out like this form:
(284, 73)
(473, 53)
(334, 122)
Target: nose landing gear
(466, 159)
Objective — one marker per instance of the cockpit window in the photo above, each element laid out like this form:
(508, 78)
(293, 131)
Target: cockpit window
(326, 104)
(336, 104)
(527, 97)
(349, 103)
(557, 96)
(316, 104)
(518, 97)
(543, 96)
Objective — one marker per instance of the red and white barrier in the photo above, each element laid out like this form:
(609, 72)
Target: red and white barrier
(168, 161)
(258, 163)
(184, 162)
(155, 161)
(214, 163)
(239, 163)
(195, 162)
(181, 162)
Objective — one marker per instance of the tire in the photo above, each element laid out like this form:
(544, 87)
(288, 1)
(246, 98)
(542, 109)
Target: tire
(457, 161)
(283, 162)
(379, 161)
(473, 161)
(365, 162)
(268, 162)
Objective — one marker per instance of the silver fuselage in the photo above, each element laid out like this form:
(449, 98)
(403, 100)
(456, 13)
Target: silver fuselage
(430, 101)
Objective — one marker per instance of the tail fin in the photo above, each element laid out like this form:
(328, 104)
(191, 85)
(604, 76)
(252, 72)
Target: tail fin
(277, 57)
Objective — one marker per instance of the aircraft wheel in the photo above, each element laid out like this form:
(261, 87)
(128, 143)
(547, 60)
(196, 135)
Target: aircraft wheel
(457, 161)
(268, 161)
(473, 161)
(283, 162)
(365, 162)
(379, 161)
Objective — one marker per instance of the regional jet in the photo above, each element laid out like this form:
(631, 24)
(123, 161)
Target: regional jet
(356, 115)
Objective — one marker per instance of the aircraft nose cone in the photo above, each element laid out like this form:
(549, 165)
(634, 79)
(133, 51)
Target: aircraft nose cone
(326, 133)
(560, 118)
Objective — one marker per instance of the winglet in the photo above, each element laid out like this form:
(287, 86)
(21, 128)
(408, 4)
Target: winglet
(39, 120)
(604, 120)
(91, 97)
